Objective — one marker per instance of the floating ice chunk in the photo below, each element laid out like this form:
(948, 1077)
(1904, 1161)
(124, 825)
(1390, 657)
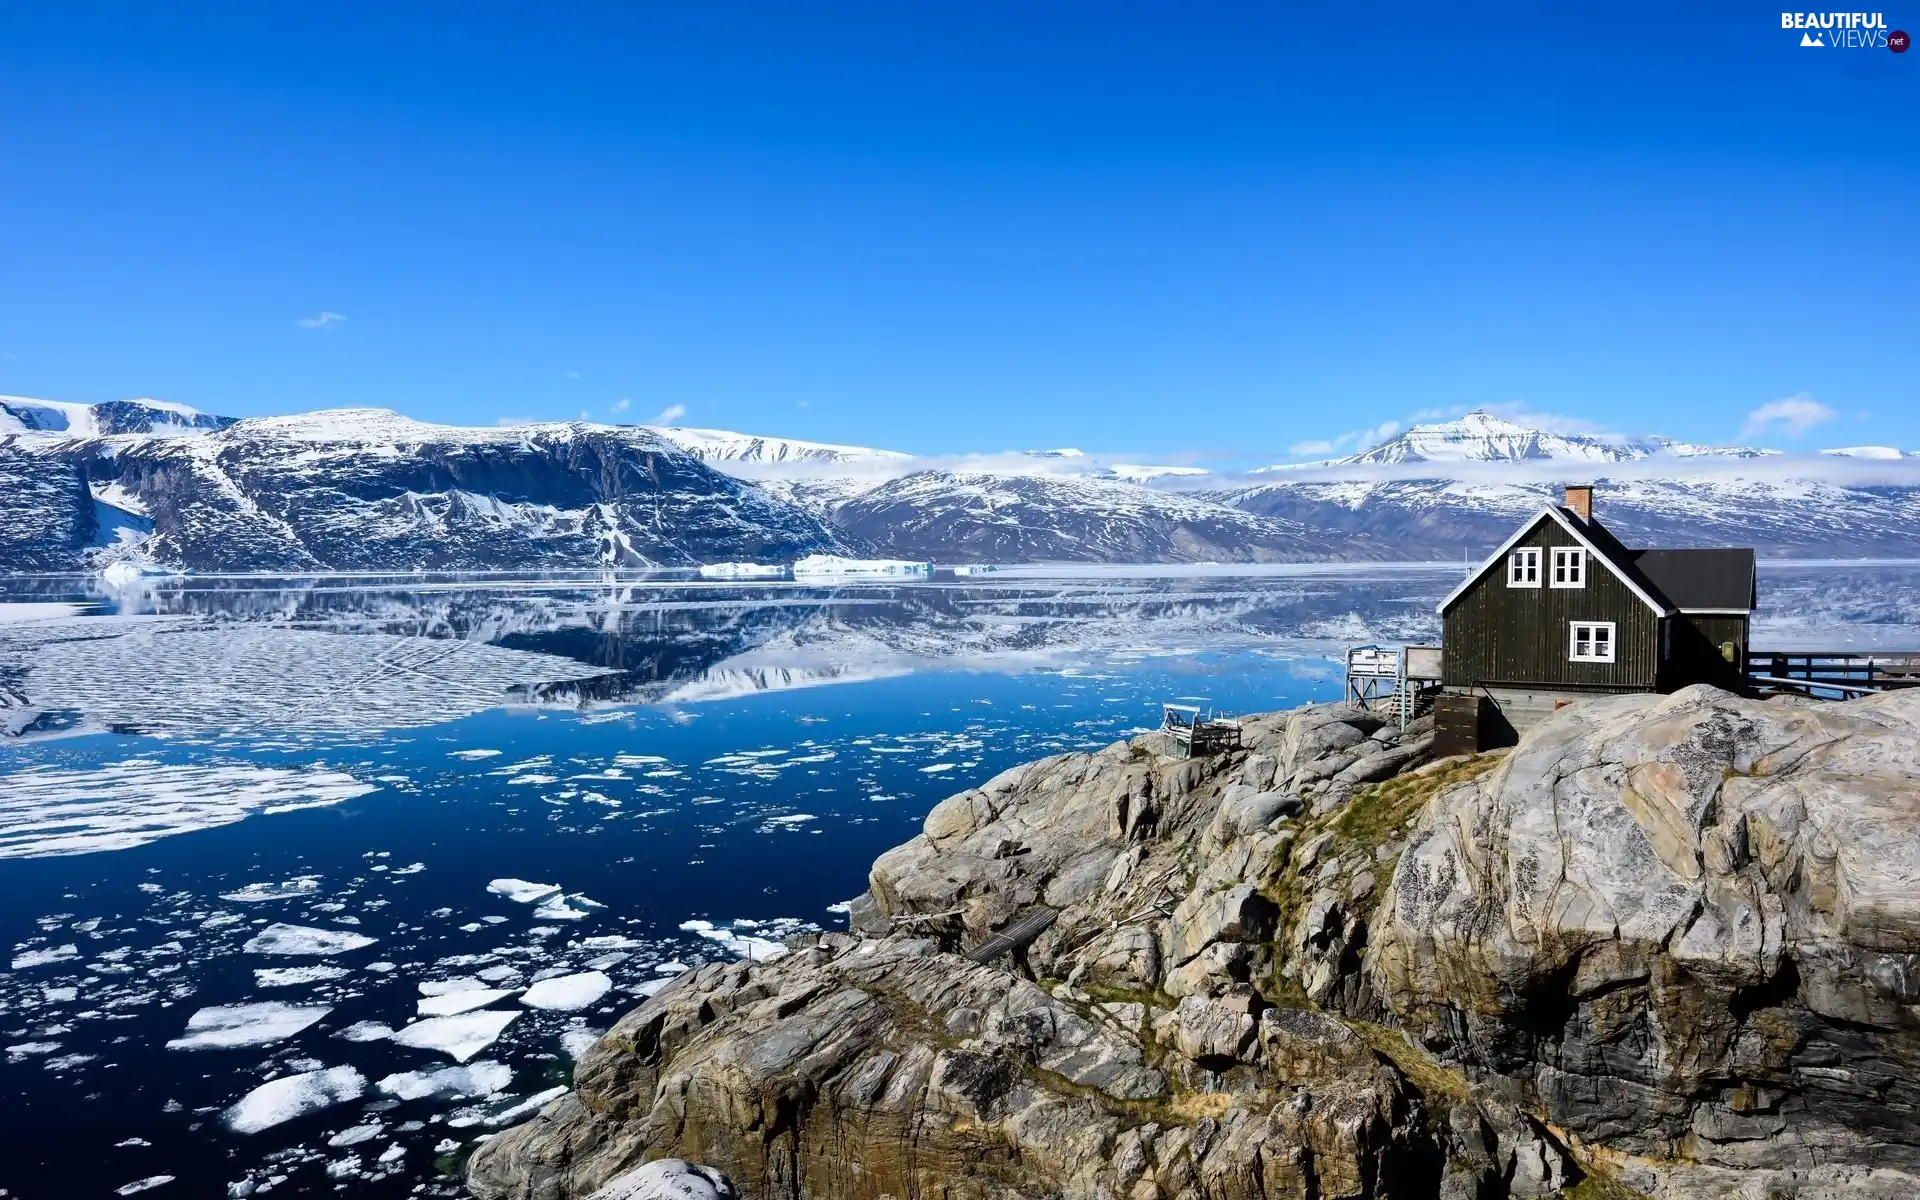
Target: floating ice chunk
(45, 811)
(567, 993)
(50, 954)
(937, 768)
(459, 983)
(522, 892)
(151, 1181)
(60, 995)
(393, 1153)
(267, 977)
(458, 1037)
(742, 570)
(303, 939)
(756, 949)
(578, 1041)
(834, 565)
(453, 1083)
(448, 1003)
(611, 941)
(472, 755)
(790, 820)
(534, 777)
(291, 1096)
(24, 1050)
(532, 1104)
(357, 1134)
(651, 986)
(570, 907)
(226, 1026)
(292, 889)
(410, 869)
(668, 1179)
(365, 1031)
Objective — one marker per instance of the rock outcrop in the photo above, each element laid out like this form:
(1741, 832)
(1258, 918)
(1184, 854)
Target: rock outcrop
(1664, 944)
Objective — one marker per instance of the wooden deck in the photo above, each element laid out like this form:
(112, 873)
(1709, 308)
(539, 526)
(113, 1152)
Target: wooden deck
(1846, 673)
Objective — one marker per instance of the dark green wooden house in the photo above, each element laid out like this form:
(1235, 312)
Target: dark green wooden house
(1563, 609)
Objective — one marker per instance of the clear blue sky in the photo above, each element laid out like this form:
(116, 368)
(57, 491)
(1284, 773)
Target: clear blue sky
(963, 226)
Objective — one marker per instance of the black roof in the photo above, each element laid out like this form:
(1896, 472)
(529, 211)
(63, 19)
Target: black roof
(1685, 579)
(1700, 578)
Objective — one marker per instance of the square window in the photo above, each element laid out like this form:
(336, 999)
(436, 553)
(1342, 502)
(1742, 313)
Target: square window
(1590, 641)
(1569, 567)
(1523, 568)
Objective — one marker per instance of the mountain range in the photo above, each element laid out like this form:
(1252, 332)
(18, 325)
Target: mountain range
(82, 486)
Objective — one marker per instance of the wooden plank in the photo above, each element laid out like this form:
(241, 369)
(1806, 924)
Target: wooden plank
(1017, 936)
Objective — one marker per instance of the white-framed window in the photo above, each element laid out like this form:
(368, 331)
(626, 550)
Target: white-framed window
(1590, 641)
(1523, 568)
(1569, 567)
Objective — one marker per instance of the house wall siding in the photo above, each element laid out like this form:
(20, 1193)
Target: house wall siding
(1495, 634)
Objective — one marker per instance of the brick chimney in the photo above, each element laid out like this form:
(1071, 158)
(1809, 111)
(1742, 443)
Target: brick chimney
(1580, 500)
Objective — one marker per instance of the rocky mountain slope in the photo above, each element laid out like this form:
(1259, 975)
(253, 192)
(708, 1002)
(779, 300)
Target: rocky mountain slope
(968, 517)
(1666, 946)
(369, 490)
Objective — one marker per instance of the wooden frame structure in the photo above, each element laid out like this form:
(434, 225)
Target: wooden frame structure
(1192, 735)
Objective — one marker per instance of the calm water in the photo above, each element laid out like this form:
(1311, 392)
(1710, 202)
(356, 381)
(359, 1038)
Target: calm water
(697, 769)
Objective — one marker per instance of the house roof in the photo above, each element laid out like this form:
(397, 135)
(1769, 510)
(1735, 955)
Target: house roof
(1701, 579)
(1665, 580)
(1603, 546)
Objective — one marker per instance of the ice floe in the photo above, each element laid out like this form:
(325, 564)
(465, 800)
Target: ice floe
(281, 1100)
(227, 1026)
(46, 811)
(571, 907)
(578, 1041)
(473, 755)
(41, 957)
(143, 1185)
(458, 1037)
(521, 891)
(567, 993)
(742, 945)
(454, 1083)
(448, 1004)
(303, 939)
(299, 887)
(267, 977)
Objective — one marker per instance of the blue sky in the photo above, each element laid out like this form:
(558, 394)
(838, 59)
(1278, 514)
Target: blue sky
(1222, 231)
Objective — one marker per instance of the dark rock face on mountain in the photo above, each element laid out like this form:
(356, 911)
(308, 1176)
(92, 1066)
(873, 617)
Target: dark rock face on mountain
(1668, 943)
(46, 513)
(370, 491)
(1058, 518)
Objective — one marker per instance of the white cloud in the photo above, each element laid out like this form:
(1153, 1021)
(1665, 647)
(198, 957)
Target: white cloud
(669, 414)
(1355, 439)
(1791, 415)
(322, 320)
(621, 405)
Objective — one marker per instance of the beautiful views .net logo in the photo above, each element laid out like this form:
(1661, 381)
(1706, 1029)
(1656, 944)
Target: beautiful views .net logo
(1845, 31)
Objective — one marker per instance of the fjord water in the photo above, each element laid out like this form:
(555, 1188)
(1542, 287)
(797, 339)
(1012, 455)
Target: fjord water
(699, 769)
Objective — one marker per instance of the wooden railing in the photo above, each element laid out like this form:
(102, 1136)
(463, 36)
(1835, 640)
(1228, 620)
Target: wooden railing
(1846, 672)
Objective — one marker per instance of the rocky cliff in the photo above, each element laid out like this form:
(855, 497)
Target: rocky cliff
(1665, 945)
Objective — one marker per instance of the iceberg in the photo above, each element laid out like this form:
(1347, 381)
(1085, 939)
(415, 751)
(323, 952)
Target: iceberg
(571, 907)
(302, 939)
(833, 565)
(281, 1100)
(227, 1026)
(742, 570)
(458, 1037)
(253, 893)
(151, 1181)
(567, 993)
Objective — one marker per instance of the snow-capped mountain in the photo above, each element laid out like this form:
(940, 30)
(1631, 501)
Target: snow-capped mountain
(1482, 437)
(723, 449)
(57, 419)
(367, 489)
(970, 517)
